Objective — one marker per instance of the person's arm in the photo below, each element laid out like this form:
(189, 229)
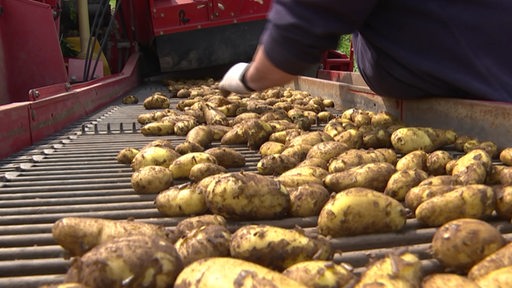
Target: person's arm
(262, 74)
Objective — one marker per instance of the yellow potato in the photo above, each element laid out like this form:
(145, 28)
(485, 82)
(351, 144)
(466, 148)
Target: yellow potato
(356, 157)
(373, 176)
(271, 147)
(506, 156)
(157, 101)
(278, 248)
(227, 157)
(202, 135)
(499, 259)
(320, 274)
(203, 242)
(307, 200)
(436, 162)
(180, 167)
(443, 280)
(227, 272)
(183, 200)
(473, 167)
(275, 164)
(191, 223)
(203, 170)
(151, 179)
(402, 181)
(358, 211)
(160, 156)
(504, 202)
(419, 194)
(126, 155)
(327, 150)
(499, 278)
(428, 139)
(416, 159)
(158, 129)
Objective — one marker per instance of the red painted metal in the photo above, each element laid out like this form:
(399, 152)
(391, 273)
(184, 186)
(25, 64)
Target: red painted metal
(184, 15)
(29, 49)
(60, 105)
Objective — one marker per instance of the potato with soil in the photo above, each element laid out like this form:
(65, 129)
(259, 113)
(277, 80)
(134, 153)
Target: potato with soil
(506, 156)
(436, 162)
(191, 223)
(373, 176)
(78, 235)
(203, 170)
(133, 261)
(326, 150)
(402, 181)
(461, 243)
(421, 193)
(179, 201)
(160, 156)
(504, 202)
(180, 167)
(443, 280)
(227, 157)
(359, 211)
(499, 259)
(285, 136)
(202, 135)
(278, 248)
(275, 164)
(126, 155)
(320, 274)
(398, 269)
(413, 160)
(408, 139)
(356, 157)
(246, 195)
(315, 171)
(473, 167)
(470, 201)
(307, 200)
(227, 272)
(499, 278)
(203, 242)
(158, 128)
(213, 116)
(271, 147)
(157, 101)
(188, 147)
(151, 179)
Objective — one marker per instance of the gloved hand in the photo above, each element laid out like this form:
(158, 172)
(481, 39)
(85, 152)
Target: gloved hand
(233, 80)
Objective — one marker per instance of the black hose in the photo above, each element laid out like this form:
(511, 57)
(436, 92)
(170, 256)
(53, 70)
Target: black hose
(96, 25)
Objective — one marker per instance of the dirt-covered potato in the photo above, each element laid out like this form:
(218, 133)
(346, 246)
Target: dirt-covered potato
(227, 157)
(133, 261)
(78, 235)
(321, 274)
(271, 147)
(398, 269)
(499, 259)
(203, 170)
(358, 211)
(470, 201)
(278, 248)
(183, 200)
(202, 135)
(297, 151)
(416, 159)
(461, 243)
(443, 280)
(180, 167)
(158, 128)
(436, 162)
(504, 202)
(218, 131)
(408, 139)
(297, 180)
(228, 272)
(310, 138)
(473, 167)
(307, 200)
(151, 179)
(191, 223)
(327, 150)
(160, 156)
(488, 146)
(506, 156)
(356, 157)
(497, 278)
(157, 101)
(126, 155)
(64, 285)
(500, 175)
(285, 136)
(203, 242)
(213, 116)
(439, 180)
(130, 99)
(246, 195)
(318, 172)
(402, 181)
(373, 176)
(275, 164)
(188, 147)
(419, 194)
(258, 132)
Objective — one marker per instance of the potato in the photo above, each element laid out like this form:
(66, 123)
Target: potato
(180, 167)
(353, 138)
(64, 285)
(471, 201)
(130, 99)
(151, 179)
(377, 138)
(133, 261)
(439, 180)
(258, 132)
(78, 235)
(318, 172)
(157, 101)
(398, 269)
(227, 157)
(356, 157)
(409, 139)
(275, 164)
(320, 274)
(227, 272)
(183, 200)
(298, 180)
(419, 194)
(191, 223)
(402, 181)
(358, 211)
(310, 138)
(286, 135)
(202, 135)
(297, 151)
(473, 167)
(500, 175)
(278, 248)
(182, 127)
(488, 146)
(244, 117)
(247, 195)
(213, 116)
(157, 129)
(496, 279)
(271, 147)
(307, 200)
(218, 131)
(413, 160)
(504, 202)
(188, 147)
(506, 156)
(126, 155)
(461, 243)
(159, 143)
(236, 136)
(373, 176)
(160, 156)
(202, 170)
(499, 259)
(327, 150)
(315, 162)
(203, 242)
(443, 280)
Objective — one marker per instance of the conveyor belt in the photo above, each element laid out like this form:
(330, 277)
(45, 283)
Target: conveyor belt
(74, 173)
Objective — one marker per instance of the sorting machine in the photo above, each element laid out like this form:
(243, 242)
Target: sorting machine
(67, 64)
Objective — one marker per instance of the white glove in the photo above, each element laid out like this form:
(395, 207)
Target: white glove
(233, 80)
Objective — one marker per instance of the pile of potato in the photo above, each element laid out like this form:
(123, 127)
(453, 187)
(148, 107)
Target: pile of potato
(361, 172)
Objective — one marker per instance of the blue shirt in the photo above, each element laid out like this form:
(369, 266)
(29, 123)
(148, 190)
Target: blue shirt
(403, 48)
